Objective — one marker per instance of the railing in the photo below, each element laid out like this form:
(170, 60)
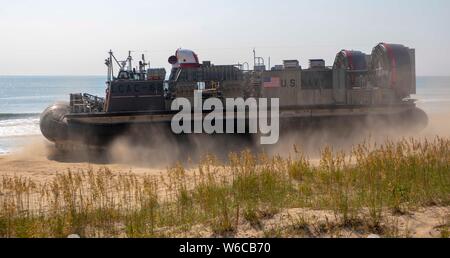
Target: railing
(86, 103)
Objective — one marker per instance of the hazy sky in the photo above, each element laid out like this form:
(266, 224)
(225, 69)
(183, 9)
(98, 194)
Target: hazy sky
(73, 37)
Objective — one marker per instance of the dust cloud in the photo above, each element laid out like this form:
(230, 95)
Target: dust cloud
(439, 125)
(372, 130)
(162, 148)
(159, 148)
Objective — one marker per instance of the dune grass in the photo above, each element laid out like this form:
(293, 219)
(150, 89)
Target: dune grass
(358, 186)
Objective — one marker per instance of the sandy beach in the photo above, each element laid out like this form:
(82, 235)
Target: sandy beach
(39, 162)
(36, 162)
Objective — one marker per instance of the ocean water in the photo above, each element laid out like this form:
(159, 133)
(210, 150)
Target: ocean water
(22, 98)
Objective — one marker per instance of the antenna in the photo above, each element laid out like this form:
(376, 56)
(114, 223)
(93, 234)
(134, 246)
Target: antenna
(129, 61)
(254, 57)
(109, 63)
(142, 64)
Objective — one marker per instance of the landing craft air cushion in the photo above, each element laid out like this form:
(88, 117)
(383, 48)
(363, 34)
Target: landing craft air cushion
(357, 88)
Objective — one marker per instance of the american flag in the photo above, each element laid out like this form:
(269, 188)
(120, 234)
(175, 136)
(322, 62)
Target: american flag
(271, 82)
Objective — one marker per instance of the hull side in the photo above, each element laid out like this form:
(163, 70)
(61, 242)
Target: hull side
(98, 131)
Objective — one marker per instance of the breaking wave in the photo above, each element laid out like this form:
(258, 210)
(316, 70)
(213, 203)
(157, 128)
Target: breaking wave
(8, 116)
(19, 124)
